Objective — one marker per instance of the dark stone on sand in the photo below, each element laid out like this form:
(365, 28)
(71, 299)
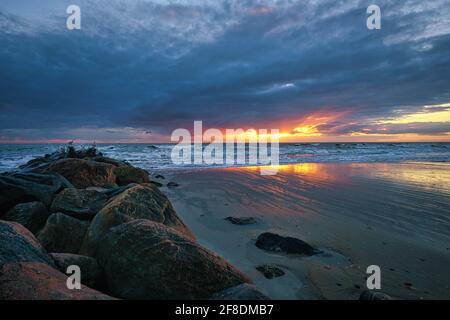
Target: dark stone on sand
(63, 233)
(127, 174)
(270, 271)
(172, 184)
(84, 173)
(289, 245)
(138, 202)
(17, 188)
(91, 273)
(32, 215)
(82, 204)
(39, 281)
(374, 295)
(18, 244)
(173, 266)
(159, 176)
(241, 220)
(243, 291)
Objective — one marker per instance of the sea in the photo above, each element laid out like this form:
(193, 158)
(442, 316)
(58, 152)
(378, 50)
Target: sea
(158, 156)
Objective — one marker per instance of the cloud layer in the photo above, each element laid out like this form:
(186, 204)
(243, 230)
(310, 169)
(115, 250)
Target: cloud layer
(142, 66)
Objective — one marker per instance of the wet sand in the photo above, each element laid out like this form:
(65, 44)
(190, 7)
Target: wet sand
(396, 216)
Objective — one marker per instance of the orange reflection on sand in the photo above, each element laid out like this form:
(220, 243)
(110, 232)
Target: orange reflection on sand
(308, 171)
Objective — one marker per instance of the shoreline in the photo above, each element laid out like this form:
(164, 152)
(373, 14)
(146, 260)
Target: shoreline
(355, 214)
(206, 197)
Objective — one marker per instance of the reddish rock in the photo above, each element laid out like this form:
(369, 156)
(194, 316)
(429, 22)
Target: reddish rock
(39, 281)
(84, 173)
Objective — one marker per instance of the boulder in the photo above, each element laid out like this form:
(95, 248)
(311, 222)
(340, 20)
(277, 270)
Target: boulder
(32, 215)
(243, 291)
(63, 233)
(91, 273)
(276, 243)
(241, 220)
(270, 271)
(127, 174)
(147, 260)
(82, 204)
(18, 244)
(17, 188)
(84, 173)
(39, 281)
(138, 202)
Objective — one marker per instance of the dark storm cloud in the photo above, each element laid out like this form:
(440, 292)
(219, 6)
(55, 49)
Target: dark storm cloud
(159, 66)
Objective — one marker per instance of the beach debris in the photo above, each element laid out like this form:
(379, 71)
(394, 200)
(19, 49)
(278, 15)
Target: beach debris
(172, 184)
(93, 275)
(275, 243)
(270, 271)
(173, 266)
(82, 204)
(63, 233)
(374, 295)
(32, 215)
(243, 291)
(138, 202)
(241, 220)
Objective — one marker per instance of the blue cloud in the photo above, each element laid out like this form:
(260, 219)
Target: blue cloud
(158, 66)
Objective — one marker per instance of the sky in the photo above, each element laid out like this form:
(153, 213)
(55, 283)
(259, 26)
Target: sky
(139, 69)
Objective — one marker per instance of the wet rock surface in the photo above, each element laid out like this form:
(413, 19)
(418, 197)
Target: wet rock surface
(63, 233)
(173, 266)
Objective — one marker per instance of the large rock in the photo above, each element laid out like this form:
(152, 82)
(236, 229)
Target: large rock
(91, 273)
(18, 244)
(84, 173)
(243, 291)
(147, 260)
(32, 215)
(127, 174)
(17, 188)
(276, 243)
(38, 281)
(137, 202)
(63, 233)
(82, 204)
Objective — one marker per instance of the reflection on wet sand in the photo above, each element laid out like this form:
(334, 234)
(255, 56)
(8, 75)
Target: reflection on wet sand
(395, 215)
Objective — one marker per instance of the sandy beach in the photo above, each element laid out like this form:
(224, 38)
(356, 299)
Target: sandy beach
(394, 215)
